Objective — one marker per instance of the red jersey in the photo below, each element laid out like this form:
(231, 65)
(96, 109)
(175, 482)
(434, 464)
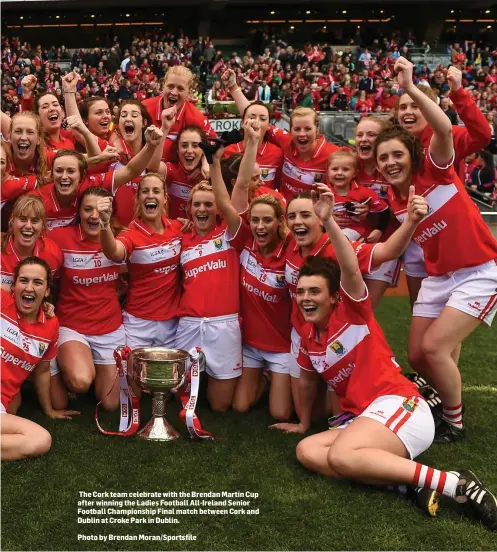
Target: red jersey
(474, 137)
(353, 356)
(323, 248)
(264, 298)
(269, 158)
(88, 301)
(16, 186)
(125, 198)
(44, 248)
(375, 181)
(153, 260)
(299, 175)
(209, 263)
(188, 115)
(344, 205)
(453, 234)
(57, 215)
(24, 345)
(178, 187)
(34, 168)
(67, 141)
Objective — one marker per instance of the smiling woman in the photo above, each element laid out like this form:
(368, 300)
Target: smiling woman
(48, 108)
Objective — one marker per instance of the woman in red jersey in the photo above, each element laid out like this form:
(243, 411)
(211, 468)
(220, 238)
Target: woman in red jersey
(389, 423)
(459, 293)
(265, 301)
(69, 173)
(151, 248)
(210, 302)
(269, 157)
(26, 237)
(188, 171)
(178, 83)
(367, 130)
(29, 156)
(305, 151)
(473, 137)
(88, 307)
(29, 342)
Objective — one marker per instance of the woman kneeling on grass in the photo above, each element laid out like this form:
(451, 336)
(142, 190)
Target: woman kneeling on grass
(344, 344)
(29, 342)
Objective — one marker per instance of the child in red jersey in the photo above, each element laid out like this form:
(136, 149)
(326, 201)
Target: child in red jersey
(459, 250)
(88, 306)
(210, 302)
(265, 301)
(389, 423)
(29, 342)
(341, 173)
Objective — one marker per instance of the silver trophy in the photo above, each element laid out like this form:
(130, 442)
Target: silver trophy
(159, 371)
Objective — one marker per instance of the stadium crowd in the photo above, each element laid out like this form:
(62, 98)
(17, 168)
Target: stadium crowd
(116, 187)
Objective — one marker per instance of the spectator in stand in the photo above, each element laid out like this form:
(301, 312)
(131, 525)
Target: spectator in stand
(492, 123)
(366, 83)
(365, 58)
(446, 106)
(483, 176)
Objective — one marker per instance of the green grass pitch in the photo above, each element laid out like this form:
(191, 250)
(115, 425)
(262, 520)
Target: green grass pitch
(297, 510)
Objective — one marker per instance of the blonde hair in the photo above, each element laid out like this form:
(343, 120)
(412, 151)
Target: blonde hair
(40, 159)
(304, 112)
(279, 212)
(202, 186)
(138, 208)
(22, 206)
(181, 71)
(343, 153)
(383, 122)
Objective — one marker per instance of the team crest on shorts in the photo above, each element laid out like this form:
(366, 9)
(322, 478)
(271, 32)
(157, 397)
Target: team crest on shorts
(280, 280)
(264, 173)
(218, 243)
(409, 405)
(338, 348)
(318, 177)
(41, 348)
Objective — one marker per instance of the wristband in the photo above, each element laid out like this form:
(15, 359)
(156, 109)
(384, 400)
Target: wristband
(234, 88)
(104, 225)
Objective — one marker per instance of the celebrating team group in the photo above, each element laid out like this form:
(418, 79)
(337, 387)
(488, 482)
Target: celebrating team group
(269, 251)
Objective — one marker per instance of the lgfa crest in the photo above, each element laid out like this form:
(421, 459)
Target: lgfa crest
(318, 177)
(338, 348)
(218, 243)
(264, 173)
(409, 405)
(41, 348)
(280, 280)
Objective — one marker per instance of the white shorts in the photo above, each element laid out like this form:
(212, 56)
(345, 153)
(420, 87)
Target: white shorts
(387, 272)
(54, 365)
(149, 333)
(409, 418)
(3, 410)
(102, 347)
(353, 235)
(257, 358)
(219, 338)
(294, 354)
(470, 290)
(414, 261)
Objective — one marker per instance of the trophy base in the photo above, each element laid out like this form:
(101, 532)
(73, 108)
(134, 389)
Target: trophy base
(158, 429)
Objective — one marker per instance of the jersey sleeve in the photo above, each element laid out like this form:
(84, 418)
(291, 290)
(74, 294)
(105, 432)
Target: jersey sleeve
(364, 253)
(355, 310)
(433, 174)
(376, 204)
(243, 234)
(12, 188)
(278, 137)
(477, 134)
(126, 238)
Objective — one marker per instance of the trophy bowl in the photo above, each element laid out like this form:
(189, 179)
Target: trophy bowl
(158, 370)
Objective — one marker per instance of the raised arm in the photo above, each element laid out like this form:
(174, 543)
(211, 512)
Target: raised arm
(230, 214)
(391, 249)
(476, 135)
(441, 145)
(81, 132)
(239, 196)
(228, 78)
(168, 117)
(112, 248)
(351, 277)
